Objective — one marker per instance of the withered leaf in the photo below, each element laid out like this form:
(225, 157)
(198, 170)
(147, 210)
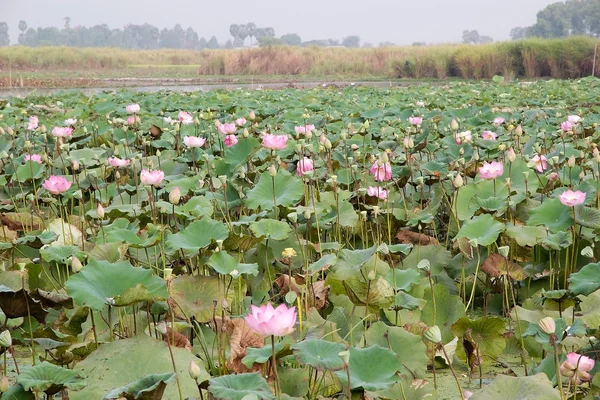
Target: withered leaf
(177, 339)
(405, 236)
(155, 131)
(52, 299)
(496, 265)
(20, 304)
(471, 350)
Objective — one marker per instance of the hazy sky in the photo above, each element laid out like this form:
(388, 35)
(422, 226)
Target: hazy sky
(398, 21)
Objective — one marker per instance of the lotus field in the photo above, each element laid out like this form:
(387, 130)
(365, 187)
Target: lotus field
(403, 243)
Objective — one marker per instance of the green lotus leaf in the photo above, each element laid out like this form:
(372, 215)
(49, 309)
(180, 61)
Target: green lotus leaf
(372, 368)
(50, 379)
(237, 387)
(150, 387)
(198, 234)
(319, 354)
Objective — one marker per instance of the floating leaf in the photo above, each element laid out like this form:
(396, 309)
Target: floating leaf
(371, 368)
(225, 264)
(553, 214)
(271, 229)
(319, 354)
(237, 387)
(523, 388)
(198, 235)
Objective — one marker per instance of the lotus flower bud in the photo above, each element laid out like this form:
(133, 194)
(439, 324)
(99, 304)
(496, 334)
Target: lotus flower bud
(4, 385)
(175, 195)
(327, 144)
(251, 116)
(571, 162)
(293, 217)
(510, 128)
(502, 147)
(454, 125)
(10, 131)
(117, 175)
(547, 325)
(245, 133)
(75, 164)
(307, 213)
(334, 178)
(519, 130)
(308, 135)
(476, 156)
(5, 339)
(367, 124)
(581, 175)
(272, 170)
(458, 181)
(76, 264)
(100, 211)
(354, 146)
(511, 155)
(433, 334)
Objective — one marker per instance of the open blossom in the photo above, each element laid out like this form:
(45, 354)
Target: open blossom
(33, 157)
(169, 120)
(33, 123)
(185, 118)
(381, 172)
(573, 119)
(304, 165)
(226, 129)
(133, 108)
(230, 140)
(117, 162)
(153, 178)
(415, 120)
(540, 163)
(377, 191)
(553, 176)
(304, 129)
(489, 135)
(498, 121)
(566, 126)
(70, 121)
(240, 121)
(491, 170)
(269, 321)
(571, 199)
(60, 131)
(463, 137)
(194, 141)
(56, 184)
(274, 142)
(576, 368)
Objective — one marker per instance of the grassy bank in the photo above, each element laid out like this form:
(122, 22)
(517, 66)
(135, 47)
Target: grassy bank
(557, 58)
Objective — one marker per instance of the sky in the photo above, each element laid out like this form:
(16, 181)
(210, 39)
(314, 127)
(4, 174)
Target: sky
(375, 21)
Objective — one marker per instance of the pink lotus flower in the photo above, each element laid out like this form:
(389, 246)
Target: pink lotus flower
(274, 142)
(240, 121)
(133, 108)
(576, 368)
(498, 121)
(33, 157)
(56, 184)
(540, 163)
(491, 170)
(377, 191)
(463, 137)
(226, 129)
(60, 131)
(153, 178)
(489, 135)
(70, 121)
(553, 176)
(467, 395)
(304, 165)
(381, 172)
(573, 119)
(185, 118)
(566, 126)
(33, 123)
(117, 162)
(304, 129)
(571, 199)
(194, 141)
(269, 321)
(415, 120)
(230, 140)
(511, 155)
(130, 120)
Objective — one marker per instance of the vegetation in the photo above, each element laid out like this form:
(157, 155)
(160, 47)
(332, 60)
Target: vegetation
(571, 57)
(325, 243)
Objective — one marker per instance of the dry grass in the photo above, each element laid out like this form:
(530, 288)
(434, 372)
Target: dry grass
(558, 58)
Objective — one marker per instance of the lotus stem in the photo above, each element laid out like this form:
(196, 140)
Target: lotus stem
(274, 367)
(460, 391)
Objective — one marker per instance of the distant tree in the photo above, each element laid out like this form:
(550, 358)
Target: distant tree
(266, 41)
(30, 37)
(235, 31)
(485, 39)
(190, 39)
(23, 29)
(351, 41)
(470, 37)
(67, 22)
(518, 33)
(4, 36)
(250, 30)
(417, 44)
(291, 39)
(213, 43)
(264, 33)
(332, 42)
(318, 43)
(229, 44)
(553, 21)
(367, 44)
(202, 43)
(386, 44)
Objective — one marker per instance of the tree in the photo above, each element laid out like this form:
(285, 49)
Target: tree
(22, 28)
(485, 39)
(518, 33)
(67, 22)
(4, 36)
(202, 43)
(229, 44)
(470, 37)
(266, 41)
(291, 39)
(264, 33)
(213, 43)
(387, 44)
(367, 44)
(351, 41)
(250, 30)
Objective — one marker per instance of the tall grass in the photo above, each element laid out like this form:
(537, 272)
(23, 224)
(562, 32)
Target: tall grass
(557, 58)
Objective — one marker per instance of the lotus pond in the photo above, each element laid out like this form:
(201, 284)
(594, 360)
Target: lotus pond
(413, 243)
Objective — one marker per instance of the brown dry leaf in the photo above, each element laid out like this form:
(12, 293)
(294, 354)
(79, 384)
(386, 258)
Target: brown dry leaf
(464, 246)
(317, 296)
(405, 236)
(7, 235)
(177, 339)
(155, 131)
(496, 265)
(13, 225)
(471, 350)
(241, 337)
